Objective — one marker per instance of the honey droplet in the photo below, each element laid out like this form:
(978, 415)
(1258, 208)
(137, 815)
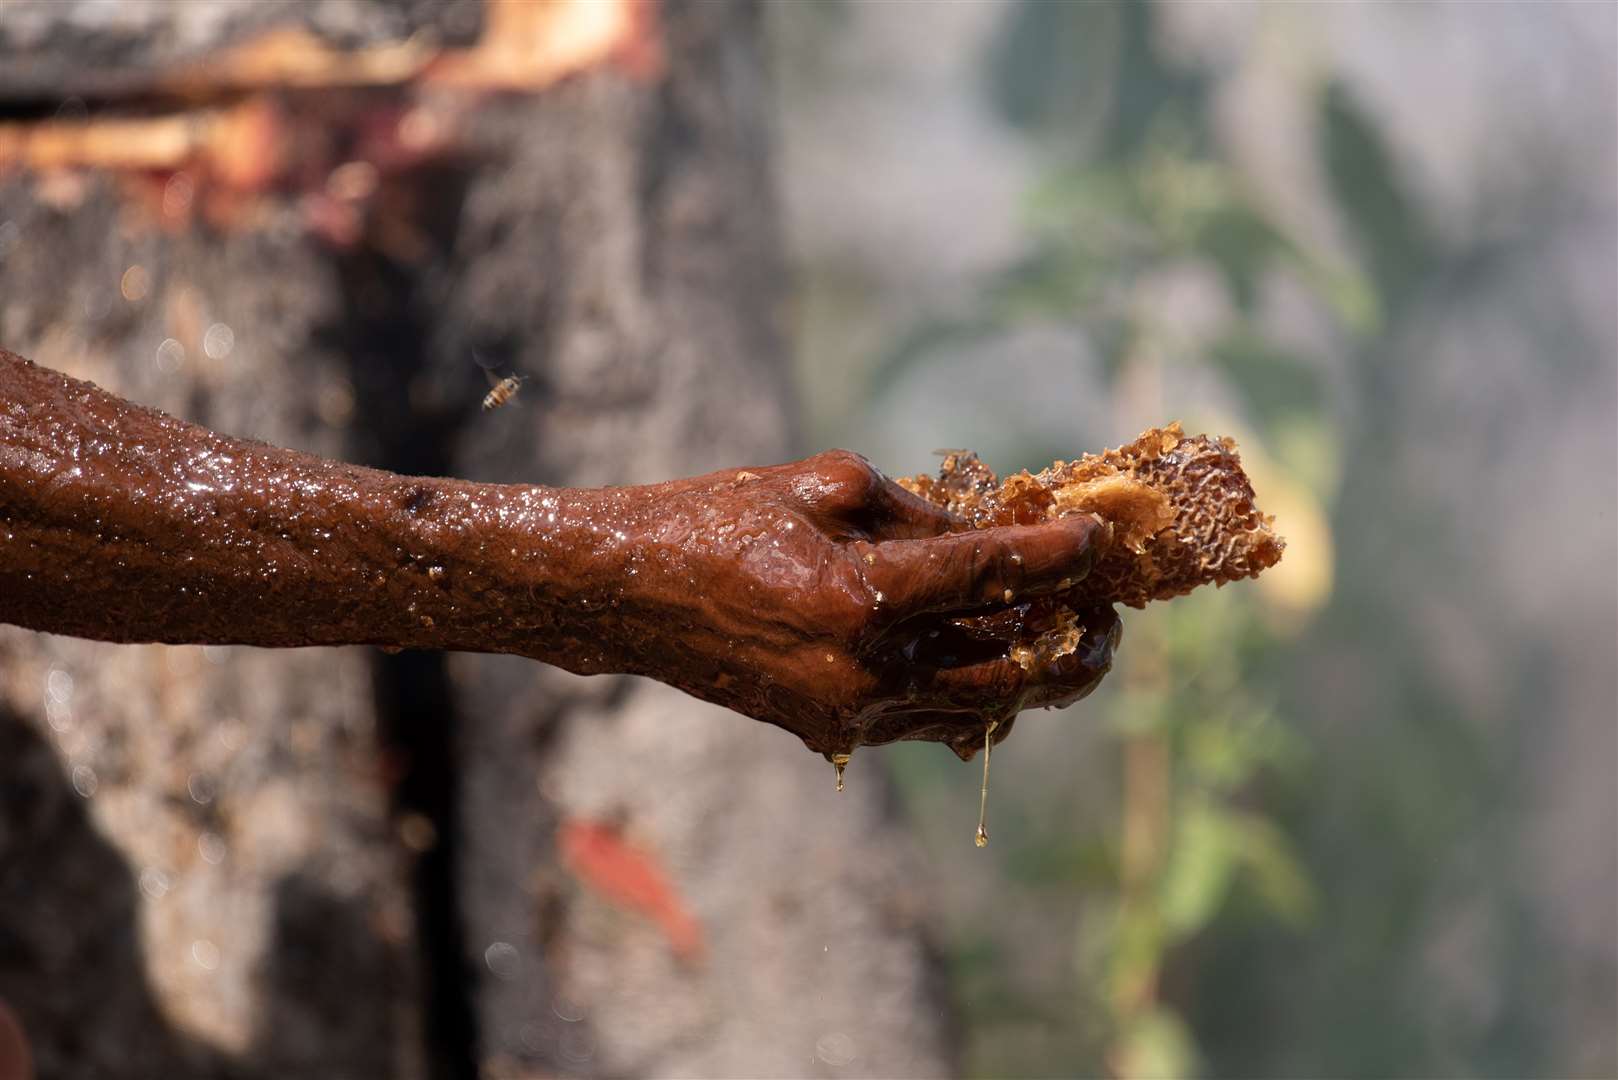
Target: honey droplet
(981, 839)
(840, 762)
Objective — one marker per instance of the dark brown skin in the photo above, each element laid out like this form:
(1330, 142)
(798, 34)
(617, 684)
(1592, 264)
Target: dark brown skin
(817, 596)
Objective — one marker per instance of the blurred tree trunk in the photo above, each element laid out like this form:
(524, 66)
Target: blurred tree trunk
(333, 863)
(196, 867)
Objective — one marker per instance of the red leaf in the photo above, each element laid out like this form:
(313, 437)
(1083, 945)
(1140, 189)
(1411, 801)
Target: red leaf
(630, 877)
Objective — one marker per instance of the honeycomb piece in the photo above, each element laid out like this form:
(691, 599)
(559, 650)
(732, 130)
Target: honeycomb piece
(1180, 510)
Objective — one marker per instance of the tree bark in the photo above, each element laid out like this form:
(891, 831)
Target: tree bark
(198, 875)
(334, 862)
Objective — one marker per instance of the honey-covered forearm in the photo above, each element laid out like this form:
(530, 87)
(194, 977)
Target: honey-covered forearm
(123, 524)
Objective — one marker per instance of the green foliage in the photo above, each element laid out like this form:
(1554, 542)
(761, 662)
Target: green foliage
(1300, 828)
(1279, 388)
(1252, 907)
(1086, 76)
(1201, 864)
(1157, 1044)
(1141, 191)
(1373, 200)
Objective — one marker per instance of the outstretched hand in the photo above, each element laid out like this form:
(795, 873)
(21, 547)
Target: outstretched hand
(822, 597)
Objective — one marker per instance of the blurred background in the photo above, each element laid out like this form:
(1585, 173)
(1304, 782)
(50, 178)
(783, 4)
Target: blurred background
(1356, 818)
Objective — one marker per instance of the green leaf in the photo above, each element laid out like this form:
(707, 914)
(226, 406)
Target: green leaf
(1156, 1045)
(1371, 196)
(1273, 870)
(1243, 245)
(1136, 952)
(1086, 73)
(1221, 755)
(1052, 66)
(1200, 867)
(1276, 385)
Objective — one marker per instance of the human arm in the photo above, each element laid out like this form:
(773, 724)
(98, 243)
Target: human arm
(817, 595)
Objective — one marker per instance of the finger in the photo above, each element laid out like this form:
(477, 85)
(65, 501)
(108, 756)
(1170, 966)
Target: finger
(962, 732)
(834, 483)
(957, 571)
(921, 725)
(847, 492)
(897, 514)
(997, 690)
(967, 742)
(990, 692)
(999, 683)
(1067, 679)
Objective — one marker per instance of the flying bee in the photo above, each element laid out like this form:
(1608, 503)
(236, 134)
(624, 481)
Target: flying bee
(503, 392)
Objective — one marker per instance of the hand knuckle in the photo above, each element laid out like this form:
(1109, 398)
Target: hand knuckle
(846, 480)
